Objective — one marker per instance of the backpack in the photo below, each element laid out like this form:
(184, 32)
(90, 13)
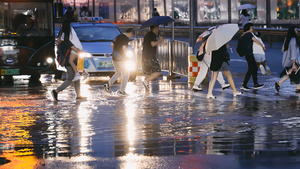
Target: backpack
(240, 48)
(63, 52)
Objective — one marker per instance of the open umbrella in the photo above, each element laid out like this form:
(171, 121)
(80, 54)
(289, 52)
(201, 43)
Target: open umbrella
(246, 6)
(157, 20)
(205, 34)
(220, 36)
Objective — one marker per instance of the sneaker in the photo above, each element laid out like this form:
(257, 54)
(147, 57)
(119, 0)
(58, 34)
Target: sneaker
(262, 69)
(81, 97)
(121, 93)
(146, 85)
(196, 88)
(245, 88)
(268, 70)
(225, 86)
(54, 95)
(237, 94)
(106, 87)
(76, 77)
(85, 76)
(277, 87)
(258, 86)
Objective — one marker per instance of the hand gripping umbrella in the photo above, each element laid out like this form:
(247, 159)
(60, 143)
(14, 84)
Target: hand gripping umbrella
(157, 20)
(246, 6)
(220, 36)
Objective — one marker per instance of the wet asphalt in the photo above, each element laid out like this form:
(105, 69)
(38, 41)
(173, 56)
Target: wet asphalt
(168, 127)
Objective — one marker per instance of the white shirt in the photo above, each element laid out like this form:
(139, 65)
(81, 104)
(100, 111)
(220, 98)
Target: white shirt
(257, 49)
(74, 39)
(244, 20)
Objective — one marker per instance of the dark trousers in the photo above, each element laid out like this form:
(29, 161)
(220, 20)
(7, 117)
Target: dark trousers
(251, 71)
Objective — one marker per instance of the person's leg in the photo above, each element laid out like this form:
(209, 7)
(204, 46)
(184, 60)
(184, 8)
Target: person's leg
(231, 82)
(117, 74)
(212, 84)
(151, 77)
(248, 73)
(68, 81)
(284, 78)
(252, 68)
(201, 74)
(72, 58)
(125, 77)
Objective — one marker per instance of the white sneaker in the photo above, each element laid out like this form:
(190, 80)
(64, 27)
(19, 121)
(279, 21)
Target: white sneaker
(196, 88)
(268, 70)
(85, 76)
(76, 77)
(121, 93)
(262, 69)
(225, 86)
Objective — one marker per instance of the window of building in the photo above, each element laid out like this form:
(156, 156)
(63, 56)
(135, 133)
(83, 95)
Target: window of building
(287, 9)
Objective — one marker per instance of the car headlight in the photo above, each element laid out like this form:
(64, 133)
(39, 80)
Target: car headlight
(129, 54)
(49, 60)
(85, 55)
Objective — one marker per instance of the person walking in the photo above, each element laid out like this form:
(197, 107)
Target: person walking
(69, 35)
(219, 62)
(150, 65)
(120, 46)
(248, 39)
(205, 64)
(290, 60)
(244, 18)
(155, 12)
(259, 55)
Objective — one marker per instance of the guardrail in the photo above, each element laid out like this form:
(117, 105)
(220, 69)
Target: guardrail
(173, 56)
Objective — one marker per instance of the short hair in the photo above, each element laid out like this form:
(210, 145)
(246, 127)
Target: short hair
(130, 30)
(247, 26)
(152, 27)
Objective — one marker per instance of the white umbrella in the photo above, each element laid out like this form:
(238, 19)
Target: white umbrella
(246, 6)
(220, 36)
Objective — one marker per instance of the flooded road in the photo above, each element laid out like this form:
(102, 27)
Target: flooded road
(169, 127)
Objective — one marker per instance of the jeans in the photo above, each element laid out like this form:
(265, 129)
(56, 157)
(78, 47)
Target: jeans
(68, 82)
(121, 70)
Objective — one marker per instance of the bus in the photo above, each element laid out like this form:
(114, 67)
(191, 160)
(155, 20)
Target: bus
(27, 38)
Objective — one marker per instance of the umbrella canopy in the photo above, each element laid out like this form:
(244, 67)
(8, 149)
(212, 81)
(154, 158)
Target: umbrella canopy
(221, 36)
(246, 6)
(157, 20)
(205, 34)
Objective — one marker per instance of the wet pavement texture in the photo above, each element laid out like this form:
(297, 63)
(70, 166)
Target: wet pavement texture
(168, 127)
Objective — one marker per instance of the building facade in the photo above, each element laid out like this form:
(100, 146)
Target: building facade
(268, 13)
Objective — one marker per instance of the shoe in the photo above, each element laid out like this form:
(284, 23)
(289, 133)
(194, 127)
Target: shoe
(245, 88)
(146, 85)
(268, 70)
(277, 87)
(237, 94)
(258, 86)
(196, 88)
(121, 93)
(106, 87)
(81, 97)
(85, 76)
(297, 91)
(262, 69)
(76, 77)
(210, 97)
(225, 86)
(54, 95)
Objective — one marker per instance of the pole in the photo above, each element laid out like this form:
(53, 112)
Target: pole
(191, 5)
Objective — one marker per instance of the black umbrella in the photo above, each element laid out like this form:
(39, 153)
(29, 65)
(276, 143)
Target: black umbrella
(157, 20)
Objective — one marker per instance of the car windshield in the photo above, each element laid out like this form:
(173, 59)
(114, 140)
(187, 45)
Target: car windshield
(96, 33)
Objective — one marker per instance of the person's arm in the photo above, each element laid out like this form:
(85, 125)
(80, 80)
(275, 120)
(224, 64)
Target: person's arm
(155, 43)
(258, 42)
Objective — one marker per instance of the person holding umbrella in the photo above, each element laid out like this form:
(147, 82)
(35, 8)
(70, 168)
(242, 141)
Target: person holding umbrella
(247, 40)
(150, 65)
(244, 18)
(218, 63)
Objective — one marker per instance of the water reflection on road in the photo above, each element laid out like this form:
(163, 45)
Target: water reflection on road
(170, 120)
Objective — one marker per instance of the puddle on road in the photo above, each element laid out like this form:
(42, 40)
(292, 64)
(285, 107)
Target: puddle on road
(173, 121)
